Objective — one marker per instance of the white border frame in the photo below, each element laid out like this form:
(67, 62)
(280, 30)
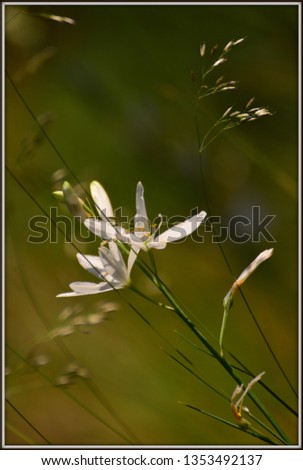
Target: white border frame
(158, 447)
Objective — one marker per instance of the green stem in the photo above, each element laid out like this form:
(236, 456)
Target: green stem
(251, 431)
(180, 313)
(227, 306)
(154, 302)
(266, 427)
(153, 262)
(217, 356)
(27, 422)
(20, 434)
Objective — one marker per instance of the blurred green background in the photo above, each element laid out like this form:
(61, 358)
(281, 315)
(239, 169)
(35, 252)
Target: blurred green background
(117, 89)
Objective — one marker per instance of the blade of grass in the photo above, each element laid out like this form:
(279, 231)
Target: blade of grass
(212, 387)
(20, 434)
(251, 431)
(27, 422)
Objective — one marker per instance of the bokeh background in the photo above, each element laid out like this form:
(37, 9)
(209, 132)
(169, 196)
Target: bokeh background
(116, 96)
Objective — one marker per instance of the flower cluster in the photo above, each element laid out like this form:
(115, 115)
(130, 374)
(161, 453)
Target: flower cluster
(109, 266)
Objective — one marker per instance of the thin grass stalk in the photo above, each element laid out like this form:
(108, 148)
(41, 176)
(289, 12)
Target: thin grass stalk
(180, 312)
(251, 431)
(245, 370)
(71, 396)
(220, 359)
(156, 278)
(27, 422)
(202, 147)
(191, 325)
(19, 434)
(89, 383)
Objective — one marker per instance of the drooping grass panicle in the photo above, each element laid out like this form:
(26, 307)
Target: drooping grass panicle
(231, 118)
(221, 59)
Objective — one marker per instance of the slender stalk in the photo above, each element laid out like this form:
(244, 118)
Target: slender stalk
(207, 384)
(27, 421)
(251, 431)
(182, 315)
(153, 262)
(20, 434)
(266, 427)
(220, 359)
(70, 395)
(245, 370)
(202, 147)
(69, 355)
(149, 299)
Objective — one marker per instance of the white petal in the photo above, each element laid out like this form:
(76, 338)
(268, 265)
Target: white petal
(137, 245)
(92, 264)
(141, 219)
(248, 387)
(181, 230)
(86, 288)
(157, 244)
(253, 266)
(115, 252)
(114, 268)
(68, 294)
(106, 230)
(140, 202)
(101, 200)
(100, 228)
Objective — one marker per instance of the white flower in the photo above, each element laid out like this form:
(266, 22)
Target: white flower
(228, 299)
(143, 238)
(101, 201)
(108, 266)
(106, 227)
(263, 256)
(237, 400)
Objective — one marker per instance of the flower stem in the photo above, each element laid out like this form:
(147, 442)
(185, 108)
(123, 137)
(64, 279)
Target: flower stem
(144, 296)
(217, 356)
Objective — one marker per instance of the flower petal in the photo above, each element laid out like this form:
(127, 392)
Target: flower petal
(157, 244)
(100, 228)
(179, 231)
(86, 288)
(113, 267)
(92, 264)
(141, 220)
(106, 230)
(101, 200)
(264, 255)
(140, 202)
(115, 252)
